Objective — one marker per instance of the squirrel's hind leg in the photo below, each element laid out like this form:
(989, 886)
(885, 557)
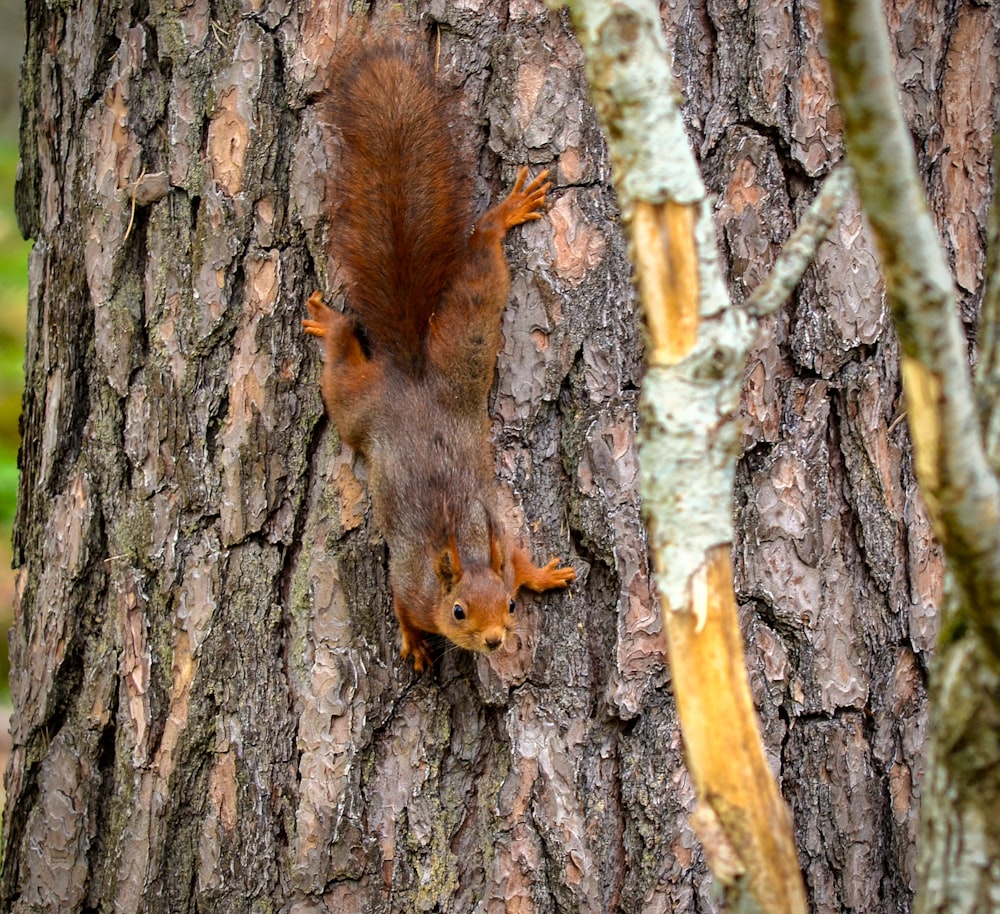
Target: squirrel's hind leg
(351, 381)
(464, 335)
(317, 325)
(523, 203)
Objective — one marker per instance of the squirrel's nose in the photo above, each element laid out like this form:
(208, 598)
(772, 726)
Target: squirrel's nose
(493, 643)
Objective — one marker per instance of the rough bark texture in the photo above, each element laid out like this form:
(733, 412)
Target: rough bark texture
(210, 709)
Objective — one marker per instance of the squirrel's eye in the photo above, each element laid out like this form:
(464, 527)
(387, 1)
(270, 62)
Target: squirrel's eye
(513, 606)
(458, 611)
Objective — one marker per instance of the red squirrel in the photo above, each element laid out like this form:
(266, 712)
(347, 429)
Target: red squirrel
(408, 367)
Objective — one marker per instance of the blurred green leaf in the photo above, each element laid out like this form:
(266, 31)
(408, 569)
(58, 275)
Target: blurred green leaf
(14, 252)
(13, 310)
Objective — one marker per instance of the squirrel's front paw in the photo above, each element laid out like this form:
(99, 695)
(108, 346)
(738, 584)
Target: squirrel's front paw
(415, 644)
(554, 576)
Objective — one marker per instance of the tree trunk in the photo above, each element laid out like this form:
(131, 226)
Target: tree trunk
(210, 708)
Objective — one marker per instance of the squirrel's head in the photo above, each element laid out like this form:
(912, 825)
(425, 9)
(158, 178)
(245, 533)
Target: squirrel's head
(476, 608)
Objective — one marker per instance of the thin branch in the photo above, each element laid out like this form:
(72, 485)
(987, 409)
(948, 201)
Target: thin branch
(988, 349)
(696, 351)
(955, 476)
(801, 247)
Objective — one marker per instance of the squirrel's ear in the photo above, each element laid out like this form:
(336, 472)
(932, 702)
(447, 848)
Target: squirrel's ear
(448, 567)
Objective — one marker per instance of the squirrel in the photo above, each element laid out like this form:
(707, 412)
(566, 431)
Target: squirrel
(409, 366)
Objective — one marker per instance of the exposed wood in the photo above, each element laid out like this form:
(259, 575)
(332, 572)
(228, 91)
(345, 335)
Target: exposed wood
(693, 364)
(741, 816)
(666, 267)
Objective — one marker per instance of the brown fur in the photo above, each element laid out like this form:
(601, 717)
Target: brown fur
(402, 196)
(408, 370)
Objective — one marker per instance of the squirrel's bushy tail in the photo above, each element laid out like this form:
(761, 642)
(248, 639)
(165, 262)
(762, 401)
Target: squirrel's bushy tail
(402, 195)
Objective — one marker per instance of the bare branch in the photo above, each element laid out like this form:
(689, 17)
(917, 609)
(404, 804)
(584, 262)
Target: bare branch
(697, 345)
(988, 364)
(955, 477)
(801, 247)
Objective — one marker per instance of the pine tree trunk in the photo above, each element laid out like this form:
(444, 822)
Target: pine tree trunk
(210, 708)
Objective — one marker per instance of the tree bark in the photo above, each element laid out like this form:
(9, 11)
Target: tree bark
(210, 708)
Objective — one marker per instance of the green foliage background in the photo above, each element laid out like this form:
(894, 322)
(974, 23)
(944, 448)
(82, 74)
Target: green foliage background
(13, 305)
(13, 300)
